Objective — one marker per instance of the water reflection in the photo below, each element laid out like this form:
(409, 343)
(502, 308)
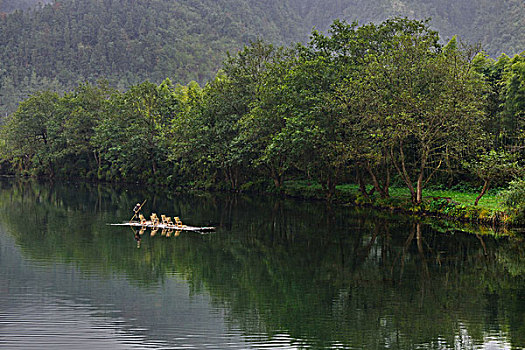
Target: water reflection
(164, 232)
(276, 273)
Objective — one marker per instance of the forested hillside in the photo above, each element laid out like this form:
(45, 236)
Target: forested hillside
(497, 25)
(8, 6)
(128, 41)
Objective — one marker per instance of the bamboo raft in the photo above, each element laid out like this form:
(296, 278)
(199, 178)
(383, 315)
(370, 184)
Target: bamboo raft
(163, 223)
(161, 226)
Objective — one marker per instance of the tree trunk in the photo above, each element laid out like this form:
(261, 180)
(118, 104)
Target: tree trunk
(330, 188)
(402, 170)
(234, 178)
(484, 190)
(98, 158)
(386, 185)
(381, 190)
(361, 182)
(51, 171)
(277, 178)
(419, 189)
(420, 178)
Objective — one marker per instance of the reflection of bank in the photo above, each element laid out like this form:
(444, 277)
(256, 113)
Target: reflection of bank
(330, 277)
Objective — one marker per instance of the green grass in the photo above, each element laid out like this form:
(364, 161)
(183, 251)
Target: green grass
(488, 201)
(490, 208)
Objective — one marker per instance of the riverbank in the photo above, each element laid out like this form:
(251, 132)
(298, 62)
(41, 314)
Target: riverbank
(447, 210)
(452, 205)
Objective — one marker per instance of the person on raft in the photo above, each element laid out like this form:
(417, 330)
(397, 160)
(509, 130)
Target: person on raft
(136, 210)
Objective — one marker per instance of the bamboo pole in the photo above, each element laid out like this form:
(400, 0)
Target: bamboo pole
(137, 211)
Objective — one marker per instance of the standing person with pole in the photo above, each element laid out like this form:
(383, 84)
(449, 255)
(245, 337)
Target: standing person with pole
(136, 210)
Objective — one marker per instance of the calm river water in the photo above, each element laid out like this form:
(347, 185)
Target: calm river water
(277, 274)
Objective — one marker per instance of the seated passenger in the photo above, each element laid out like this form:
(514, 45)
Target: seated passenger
(154, 219)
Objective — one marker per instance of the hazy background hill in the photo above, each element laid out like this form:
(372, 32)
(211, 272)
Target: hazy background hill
(127, 41)
(12, 5)
(498, 25)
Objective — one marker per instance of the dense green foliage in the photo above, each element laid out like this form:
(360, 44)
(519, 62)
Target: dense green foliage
(374, 104)
(66, 42)
(514, 197)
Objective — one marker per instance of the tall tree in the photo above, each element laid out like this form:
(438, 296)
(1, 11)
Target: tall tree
(130, 139)
(26, 134)
(514, 99)
(435, 104)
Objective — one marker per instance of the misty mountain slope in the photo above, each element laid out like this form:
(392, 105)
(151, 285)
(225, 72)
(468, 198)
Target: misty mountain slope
(498, 25)
(8, 6)
(128, 41)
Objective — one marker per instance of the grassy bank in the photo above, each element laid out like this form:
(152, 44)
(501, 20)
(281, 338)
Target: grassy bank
(451, 204)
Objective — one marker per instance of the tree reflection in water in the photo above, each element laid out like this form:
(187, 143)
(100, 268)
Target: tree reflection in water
(323, 275)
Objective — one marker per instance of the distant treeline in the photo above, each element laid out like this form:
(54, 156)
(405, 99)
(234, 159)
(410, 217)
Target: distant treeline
(66, 42)
(373, 104)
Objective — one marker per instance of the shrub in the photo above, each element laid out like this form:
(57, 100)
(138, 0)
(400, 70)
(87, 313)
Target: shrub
(514, 199)
(258, 186)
